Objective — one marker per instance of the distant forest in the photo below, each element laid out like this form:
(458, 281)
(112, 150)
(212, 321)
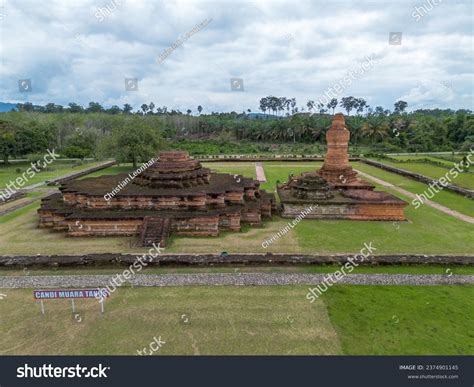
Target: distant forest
(136, 136)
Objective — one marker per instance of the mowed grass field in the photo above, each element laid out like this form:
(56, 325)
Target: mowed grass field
(55, 169)
(427, 231)
(278, 320)
(447, 160)
(465, 180)
(446, 198)
(191, 320)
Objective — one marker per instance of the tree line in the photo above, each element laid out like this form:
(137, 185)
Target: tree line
(78, 132)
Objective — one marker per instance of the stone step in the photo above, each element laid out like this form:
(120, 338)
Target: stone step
(155, 231)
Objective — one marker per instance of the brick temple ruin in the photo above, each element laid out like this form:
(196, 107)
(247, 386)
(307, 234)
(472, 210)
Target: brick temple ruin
(335, 191)
(175, 195)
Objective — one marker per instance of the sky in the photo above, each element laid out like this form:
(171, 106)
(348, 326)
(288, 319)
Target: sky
(184, 53)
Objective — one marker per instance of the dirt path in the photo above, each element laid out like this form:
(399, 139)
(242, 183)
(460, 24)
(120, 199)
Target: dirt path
(446, 210)
(260, 172)
(25, 203)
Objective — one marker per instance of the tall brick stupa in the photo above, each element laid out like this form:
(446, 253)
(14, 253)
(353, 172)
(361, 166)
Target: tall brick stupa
(335, 191)
(336, 167)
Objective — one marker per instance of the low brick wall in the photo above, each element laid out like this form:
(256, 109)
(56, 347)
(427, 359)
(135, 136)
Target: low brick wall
(16, 195)
(225, 260)
(250, 158)
(423, 179)
(84, 172)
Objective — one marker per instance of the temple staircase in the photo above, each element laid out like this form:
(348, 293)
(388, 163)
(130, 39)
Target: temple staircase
(155, 230)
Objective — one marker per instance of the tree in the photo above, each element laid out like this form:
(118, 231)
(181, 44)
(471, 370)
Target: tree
(348, 103)
(310, 105)
(263, 104)
(400, 106)
(135, 141)
(293, 104)
(332, 104)
(81, 144)
(321, 108)
(7, 144)
(199, 108)
(114, 110)
(144, 108)
(25, 107)
(189, 111)
(127, 108)
(52, 108)
(94, 107)
(375, 129)
(151, 107)
(379, 110)
(359, 104)
(75, 108)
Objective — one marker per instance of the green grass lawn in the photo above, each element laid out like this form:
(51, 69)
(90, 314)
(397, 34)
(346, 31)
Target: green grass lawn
(465, 180)
(279, 171)
(222, 320)
(57, 168)
(403, 320)
(113, 170)
(446, 160)
(446, 198)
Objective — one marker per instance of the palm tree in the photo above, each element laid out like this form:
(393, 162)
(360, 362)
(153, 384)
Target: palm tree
(332, 104)
(348, 103)
(263, 104)
(375, 129)
(151, 106)
(359, 104)
(293, 104)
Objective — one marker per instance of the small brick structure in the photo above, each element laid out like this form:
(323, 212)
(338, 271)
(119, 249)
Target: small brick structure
(335, 191)
(175, 195)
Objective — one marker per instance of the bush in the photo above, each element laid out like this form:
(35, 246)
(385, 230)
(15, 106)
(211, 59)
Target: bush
(75, 152)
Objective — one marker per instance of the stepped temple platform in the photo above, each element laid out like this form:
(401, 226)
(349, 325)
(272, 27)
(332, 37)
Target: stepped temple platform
(335, 191)
(175, 195)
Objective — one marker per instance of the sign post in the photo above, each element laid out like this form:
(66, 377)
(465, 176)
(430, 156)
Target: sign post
(71, 294)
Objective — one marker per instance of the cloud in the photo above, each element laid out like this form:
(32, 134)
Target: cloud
(81, 51)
